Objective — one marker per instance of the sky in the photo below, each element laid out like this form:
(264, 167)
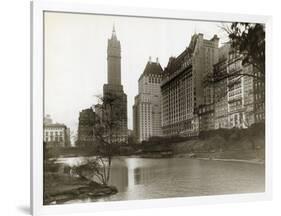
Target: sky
(76, 56)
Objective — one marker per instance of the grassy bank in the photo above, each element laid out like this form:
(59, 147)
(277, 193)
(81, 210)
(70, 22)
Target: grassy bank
(239, 144)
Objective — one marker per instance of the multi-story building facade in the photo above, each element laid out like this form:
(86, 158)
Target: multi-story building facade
(240, 92)
(238, 96)
(182, 89)
(220, 89)
(86, 128)
(206, 114)
(147, 107)
(259, 98)
(116, 109)
(55, 135)
(235, 99)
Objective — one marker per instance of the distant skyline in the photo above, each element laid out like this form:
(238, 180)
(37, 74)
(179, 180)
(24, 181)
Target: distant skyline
(76, 56)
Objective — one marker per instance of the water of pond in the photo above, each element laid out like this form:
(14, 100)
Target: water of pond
(143, 178)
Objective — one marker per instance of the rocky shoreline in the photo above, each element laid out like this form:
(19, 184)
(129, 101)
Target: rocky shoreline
(62, 188)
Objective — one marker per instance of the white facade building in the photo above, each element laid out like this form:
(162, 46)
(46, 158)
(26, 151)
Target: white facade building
(55, 135)
(147, 107)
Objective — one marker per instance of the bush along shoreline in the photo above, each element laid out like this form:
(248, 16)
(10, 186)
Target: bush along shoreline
(228, 144)
(236, 144)
(61, 186)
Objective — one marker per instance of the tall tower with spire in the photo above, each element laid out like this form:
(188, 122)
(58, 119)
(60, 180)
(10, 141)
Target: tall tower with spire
(113, 60)
(114, 89)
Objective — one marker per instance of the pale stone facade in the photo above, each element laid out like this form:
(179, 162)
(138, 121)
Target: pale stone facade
(182, 87)
(147, 107)
(55, 135)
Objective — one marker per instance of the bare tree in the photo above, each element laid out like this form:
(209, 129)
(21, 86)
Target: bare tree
(91, 169)
(109, 119)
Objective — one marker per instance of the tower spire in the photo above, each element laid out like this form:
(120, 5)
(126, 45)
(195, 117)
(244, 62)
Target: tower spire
(113, 32)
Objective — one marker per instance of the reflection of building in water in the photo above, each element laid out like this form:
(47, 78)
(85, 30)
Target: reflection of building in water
(137, 174)
(143, 175)
(119, 177)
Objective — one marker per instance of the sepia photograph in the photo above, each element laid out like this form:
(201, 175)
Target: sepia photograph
(139, 108)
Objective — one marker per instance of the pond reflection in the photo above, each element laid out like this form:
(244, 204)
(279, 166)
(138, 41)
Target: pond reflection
(142, 178)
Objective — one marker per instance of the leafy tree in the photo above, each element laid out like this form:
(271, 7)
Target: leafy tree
(246, 40)
(249, 40)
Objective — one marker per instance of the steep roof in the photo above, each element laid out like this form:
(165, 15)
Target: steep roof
(153, 68)
(176, 62)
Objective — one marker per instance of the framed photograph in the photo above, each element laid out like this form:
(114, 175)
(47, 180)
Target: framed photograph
(140, 107)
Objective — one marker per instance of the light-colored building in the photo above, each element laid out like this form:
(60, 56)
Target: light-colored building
(55, 135)
(240, 93)
(147, 107)
(183, 92)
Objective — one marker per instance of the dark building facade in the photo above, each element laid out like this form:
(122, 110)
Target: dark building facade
(206, 117)
(259, 99)
(220, 89)
(86, 128)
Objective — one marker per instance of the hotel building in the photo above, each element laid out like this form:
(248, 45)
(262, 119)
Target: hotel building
(183, 93)
(220, 89)
(147, 107)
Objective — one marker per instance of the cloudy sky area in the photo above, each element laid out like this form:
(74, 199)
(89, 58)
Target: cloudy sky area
(76, 56)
